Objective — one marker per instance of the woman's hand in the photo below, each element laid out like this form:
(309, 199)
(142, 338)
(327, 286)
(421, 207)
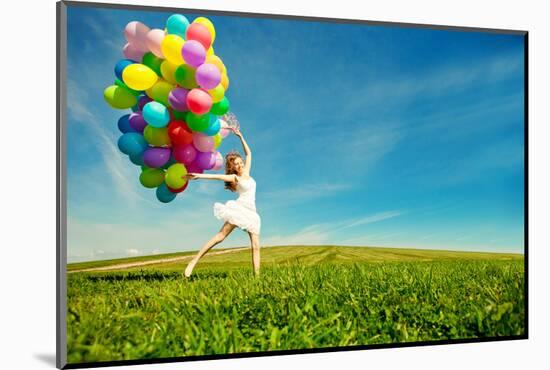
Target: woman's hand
(237, 132)
(192, 176)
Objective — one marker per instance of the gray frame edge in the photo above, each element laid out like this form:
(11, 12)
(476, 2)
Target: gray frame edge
(61, 187)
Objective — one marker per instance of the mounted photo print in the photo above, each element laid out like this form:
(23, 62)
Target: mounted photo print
(237, 185)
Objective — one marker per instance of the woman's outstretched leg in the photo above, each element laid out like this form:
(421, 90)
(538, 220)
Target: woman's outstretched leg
(255, 244)
(218, 238)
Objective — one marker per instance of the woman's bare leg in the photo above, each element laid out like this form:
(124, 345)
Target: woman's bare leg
(218, 238)
(255, 244)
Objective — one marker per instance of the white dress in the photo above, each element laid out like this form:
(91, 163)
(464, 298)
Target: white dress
(241, 212)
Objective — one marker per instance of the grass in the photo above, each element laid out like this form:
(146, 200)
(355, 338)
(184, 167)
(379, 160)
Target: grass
(306, 297)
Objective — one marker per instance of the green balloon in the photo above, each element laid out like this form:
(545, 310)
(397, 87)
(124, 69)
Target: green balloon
(179, 115)
(160, 92)
(220, 108)
(119, 97)
(175, 176)
(123, 85)
(185, 75)
(152, 177)
(156, 136)
(153, 62)
(196, 122)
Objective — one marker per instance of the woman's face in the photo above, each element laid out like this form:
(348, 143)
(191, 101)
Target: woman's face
(239, 165)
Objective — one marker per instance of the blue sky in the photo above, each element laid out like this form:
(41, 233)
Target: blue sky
(362, 135)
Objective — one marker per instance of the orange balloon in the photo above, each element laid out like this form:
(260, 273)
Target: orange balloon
(225, 81)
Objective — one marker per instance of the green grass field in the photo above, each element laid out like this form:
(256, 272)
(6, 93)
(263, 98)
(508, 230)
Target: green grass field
(306, 297)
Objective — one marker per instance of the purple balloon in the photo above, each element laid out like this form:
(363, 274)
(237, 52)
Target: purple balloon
(208, 76)
(178, 99)
(206, 160)
(143, 100)
(156, 157)
(185, 154)
(193, 53)
(137, 122)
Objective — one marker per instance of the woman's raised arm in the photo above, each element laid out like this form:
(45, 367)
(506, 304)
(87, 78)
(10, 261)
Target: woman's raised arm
(247, 152)
(226, 178)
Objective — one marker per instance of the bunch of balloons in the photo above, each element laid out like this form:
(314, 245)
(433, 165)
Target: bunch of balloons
(175, 85)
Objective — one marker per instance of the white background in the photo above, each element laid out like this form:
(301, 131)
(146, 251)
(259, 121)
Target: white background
(27, 155)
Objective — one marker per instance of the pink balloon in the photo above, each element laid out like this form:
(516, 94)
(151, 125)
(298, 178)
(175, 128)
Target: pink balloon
(154, 41)
(202, 142)
(224, 131)
(219, 162)
(208, 76)
(131, 52)
(136, 34)
(199, 32)
(185, 154)
(199, 101)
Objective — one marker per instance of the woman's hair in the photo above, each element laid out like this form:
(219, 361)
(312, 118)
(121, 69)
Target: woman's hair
(230, 169)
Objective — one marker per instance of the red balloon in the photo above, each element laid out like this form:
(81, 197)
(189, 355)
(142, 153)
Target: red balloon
(179, 133)
(199, 32)
(178, 190)
(199, 101)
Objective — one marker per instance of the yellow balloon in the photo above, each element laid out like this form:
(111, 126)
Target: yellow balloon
(217, 140)
(139, 77)
(168, 71)
(210, 51)
(208, 24)
(171, 48)
(225, 81)
(160, 91)
(217, 93)
(215, 60)
(156, 136)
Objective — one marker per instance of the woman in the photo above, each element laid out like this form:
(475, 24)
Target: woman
(236, 213)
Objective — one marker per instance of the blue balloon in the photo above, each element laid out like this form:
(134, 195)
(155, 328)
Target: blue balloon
(177, 24)
(156, 114)
(132, 143)
(164, 194)
(214, 126)
(124, 124)
(137, 159)
(119, 67)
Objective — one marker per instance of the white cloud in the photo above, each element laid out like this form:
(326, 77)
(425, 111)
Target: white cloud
(133, 252)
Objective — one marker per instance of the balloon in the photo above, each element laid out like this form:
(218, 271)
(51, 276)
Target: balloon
(219, 162)
(203, 142)
(156, 157)
(170, 162)
(208, 24)
(213, 127)
(156, 136)
(137, 122)
(164, 194)
(217, 93)
(217, 140)
(119, 67)
(185, 154)
(197, 122)
(160, 91)
(124, 124)
(199, 101)
(133, 53)
(220, 108)
(224, 131)
(178, 115)
(178, 99)
(119, 97)
(178, 190)
(210, 51)
(136, 159)
(152, 61)
(132, 143)
(179, 133)
(175, 176)
(208, 76)
(153, 41)
(194, 168)
(206, 160)
(225, 81)
(199, 32)
(142, 100)
(123, 85)
(171, 48)
(139, 77)
(215, 60)
(151, 177)
(177, 24)
(168, 71)
(185, 76)
(156, 114)
(136, 34)
(193, 53)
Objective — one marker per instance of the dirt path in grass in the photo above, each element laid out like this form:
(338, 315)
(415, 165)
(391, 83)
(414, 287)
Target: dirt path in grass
(153, 262)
